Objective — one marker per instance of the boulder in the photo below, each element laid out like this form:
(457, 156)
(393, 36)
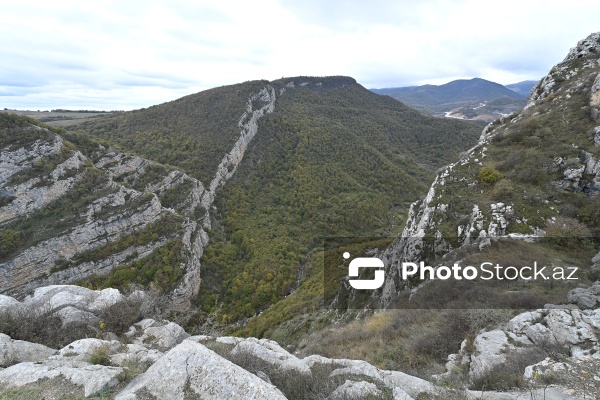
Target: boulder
(191, 366)
(358, 368)
(490, 350)
(355, 390)
(135, 353)
(163, 335)
(93, 378)
(585, 298)
(524, 320)
(569, 327)
(16, 351)
(270, 352)
(84, 349)
(7, 302)
(411, 385)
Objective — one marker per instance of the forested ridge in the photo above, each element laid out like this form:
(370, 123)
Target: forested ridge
(333, 159)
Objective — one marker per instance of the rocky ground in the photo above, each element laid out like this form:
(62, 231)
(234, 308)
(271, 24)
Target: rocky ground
(158, 359)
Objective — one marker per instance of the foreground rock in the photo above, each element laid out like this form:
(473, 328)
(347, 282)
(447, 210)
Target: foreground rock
(191, 367)
(93, 378)
(159, 359)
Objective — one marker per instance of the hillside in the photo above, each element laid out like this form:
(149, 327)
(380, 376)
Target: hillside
(328, 147)
(66, 216)
(471, 99)
(236, 186)
(527, 193)
(534, 173)
(238, 245)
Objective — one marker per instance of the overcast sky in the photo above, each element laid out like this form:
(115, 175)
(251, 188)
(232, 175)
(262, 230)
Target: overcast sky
(131, 54)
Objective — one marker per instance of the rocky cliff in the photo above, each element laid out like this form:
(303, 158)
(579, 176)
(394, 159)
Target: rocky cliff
(532, 174)
(66, 216)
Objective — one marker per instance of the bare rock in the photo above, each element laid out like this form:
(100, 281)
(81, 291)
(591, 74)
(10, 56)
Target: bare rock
(162, 335)
(490, 350)
(270, 352)
(409, 384)
(355, 390)
(190, 366)
(135, 353)
(93, 378)
(16, 351)
(83, 349)
(584, 298)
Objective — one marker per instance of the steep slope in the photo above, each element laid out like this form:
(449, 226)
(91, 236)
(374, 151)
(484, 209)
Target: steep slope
(323, 149)
(192, 133)
(66, 216)
(534, 174)
(332, 160)
(234, 187)
(105, 218)
(473, 99)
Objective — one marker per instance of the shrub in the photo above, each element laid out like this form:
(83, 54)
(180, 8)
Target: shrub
(489, 176)
(503, 190)
(120, 316)
(40, 325)
(100, 355)
(509, 375)
(318, 385)
(567, 232)
(132, 368)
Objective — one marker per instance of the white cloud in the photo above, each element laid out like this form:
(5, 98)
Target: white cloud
(123, 55)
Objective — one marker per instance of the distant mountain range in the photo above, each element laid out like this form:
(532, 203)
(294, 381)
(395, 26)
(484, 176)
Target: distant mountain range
(471, 99)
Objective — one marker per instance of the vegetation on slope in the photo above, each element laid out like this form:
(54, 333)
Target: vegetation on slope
(331, 161)
(161, 269)
(192, 133)
(525, 165)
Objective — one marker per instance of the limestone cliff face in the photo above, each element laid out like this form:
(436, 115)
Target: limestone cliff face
(116, 196)
(550, 149)
(113, 211)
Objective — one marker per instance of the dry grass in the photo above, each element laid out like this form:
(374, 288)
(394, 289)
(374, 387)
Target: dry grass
(414, 341)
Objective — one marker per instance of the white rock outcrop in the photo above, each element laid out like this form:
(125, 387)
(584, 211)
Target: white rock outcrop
(190, 366)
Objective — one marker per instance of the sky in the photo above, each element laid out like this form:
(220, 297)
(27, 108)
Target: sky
(123, 55)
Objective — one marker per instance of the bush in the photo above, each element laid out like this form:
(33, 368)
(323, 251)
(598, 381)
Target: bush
(568, 232)
(489, 176)
(133, 368)
(509, 375)
(295, 385)
(120, 316)
(100, 355)
(503, 190)
(40, 325)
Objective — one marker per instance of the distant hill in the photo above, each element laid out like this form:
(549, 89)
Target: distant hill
(472, 99)
(523, 88)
